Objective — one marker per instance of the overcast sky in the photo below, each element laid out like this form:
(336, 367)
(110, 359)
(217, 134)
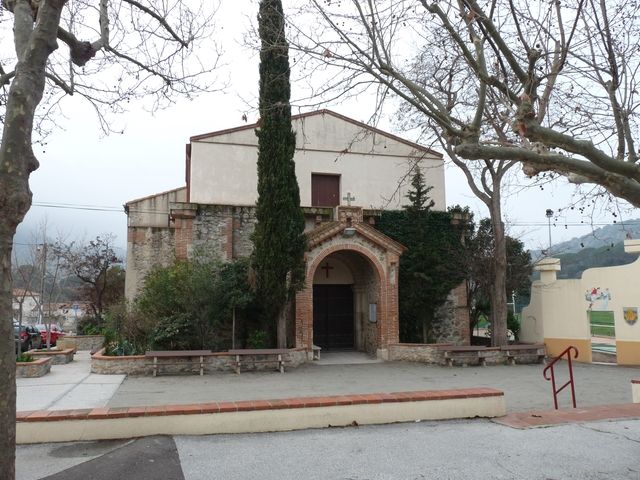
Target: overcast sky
(86, 178)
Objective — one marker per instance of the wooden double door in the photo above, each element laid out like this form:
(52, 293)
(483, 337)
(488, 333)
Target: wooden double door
(333, 326)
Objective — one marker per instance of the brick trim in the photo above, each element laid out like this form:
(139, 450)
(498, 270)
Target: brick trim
(253, 405)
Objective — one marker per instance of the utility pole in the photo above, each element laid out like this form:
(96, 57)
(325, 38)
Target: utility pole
(44, 273)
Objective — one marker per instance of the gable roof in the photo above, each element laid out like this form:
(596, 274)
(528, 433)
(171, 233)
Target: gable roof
(362, 125)
(328, 230)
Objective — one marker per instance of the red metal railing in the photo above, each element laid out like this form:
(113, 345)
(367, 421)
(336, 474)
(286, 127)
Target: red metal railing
(567, 353)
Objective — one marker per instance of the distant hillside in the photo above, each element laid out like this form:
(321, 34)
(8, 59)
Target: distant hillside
(573, 264)
(604, 247)
(601, 237)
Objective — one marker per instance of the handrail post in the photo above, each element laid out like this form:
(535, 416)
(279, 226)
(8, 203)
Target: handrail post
(550, 367)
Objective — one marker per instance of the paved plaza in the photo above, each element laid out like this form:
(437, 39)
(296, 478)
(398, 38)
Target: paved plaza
(456, 449)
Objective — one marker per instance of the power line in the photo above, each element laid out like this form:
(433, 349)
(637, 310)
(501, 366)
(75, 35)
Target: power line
(106, 208)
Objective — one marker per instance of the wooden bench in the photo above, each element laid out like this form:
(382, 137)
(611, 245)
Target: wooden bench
(465, 354)
(513, 352)
(175, 354)
(276, 353)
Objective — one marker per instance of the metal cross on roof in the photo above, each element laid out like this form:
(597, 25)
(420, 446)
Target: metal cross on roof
(349, 198)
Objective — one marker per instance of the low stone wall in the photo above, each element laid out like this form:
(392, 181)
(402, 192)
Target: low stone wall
(59, 357)
(217, 362)
(37, 368)
(431, 353)
(635, 390)
(83, 342)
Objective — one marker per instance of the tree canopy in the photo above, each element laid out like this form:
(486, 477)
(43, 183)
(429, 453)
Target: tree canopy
(278, 238)
(113, 51)
(433, 264)
(552, 85)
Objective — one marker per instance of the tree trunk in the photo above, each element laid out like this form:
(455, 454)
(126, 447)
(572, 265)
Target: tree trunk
(17, 161)
(498, 294)
(281, 327)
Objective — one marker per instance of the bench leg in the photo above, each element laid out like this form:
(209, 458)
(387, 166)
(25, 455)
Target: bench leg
(155, 366)
(201, 365)
(238, 364)
(449, 361)
(280, 364)
(483, 362)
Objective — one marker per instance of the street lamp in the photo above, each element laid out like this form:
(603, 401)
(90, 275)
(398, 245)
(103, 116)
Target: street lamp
(549, 214)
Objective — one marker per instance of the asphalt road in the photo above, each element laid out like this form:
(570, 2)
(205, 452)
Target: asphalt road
(469, 449)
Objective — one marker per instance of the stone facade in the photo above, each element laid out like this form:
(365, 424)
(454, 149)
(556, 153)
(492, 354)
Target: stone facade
(219, 231)
(452, 325)
(214, 215)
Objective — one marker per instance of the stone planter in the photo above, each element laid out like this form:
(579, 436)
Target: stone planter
(59, 357)
(217, 362)
(83, 342)
(37, 368)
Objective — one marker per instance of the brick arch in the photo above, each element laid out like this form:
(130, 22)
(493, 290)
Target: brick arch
(304, 298)
(311, 269)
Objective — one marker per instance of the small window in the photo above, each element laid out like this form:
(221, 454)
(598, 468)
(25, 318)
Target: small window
(325, 190)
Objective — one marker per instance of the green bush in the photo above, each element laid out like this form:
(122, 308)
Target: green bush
(257, 339)
(189, 305)
(24, 357)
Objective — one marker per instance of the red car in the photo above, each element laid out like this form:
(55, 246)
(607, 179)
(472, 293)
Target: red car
(56, 332)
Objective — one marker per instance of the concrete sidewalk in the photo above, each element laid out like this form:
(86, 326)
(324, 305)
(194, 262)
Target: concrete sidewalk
(66, 387)
(525, 388)
(452, 450)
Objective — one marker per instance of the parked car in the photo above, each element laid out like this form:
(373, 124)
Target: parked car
(29, 337)
(56, 332)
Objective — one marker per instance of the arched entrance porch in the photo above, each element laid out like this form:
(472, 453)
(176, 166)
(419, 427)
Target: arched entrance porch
(350, 298)
(346, 294)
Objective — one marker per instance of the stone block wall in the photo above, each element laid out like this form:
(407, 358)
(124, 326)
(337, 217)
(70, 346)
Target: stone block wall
(452, 325)
(83, 342)
(218, 362)
(219, 231)
(417, 352)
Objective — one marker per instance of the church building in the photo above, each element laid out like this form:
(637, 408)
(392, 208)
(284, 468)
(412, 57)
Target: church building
(348, 172)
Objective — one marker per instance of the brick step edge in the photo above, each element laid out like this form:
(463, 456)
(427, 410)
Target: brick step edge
(252, 405)
(546, 418)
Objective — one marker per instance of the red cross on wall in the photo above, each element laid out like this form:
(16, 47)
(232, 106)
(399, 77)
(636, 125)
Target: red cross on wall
(326, 268)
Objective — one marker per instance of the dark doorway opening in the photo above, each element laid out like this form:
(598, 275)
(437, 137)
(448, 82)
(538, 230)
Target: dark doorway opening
(333, 317)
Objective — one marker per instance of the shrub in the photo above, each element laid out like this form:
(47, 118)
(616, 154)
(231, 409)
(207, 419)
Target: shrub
(190, 305)
(24, 357)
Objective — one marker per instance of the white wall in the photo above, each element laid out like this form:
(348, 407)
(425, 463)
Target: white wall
(375, 169)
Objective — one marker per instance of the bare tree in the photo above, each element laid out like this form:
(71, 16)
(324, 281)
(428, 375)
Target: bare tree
(551, 85)
(90, 262)
(114, 51)
(565, 74)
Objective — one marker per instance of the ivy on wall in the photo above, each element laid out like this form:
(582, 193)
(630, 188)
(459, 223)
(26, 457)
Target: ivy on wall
(431, 267)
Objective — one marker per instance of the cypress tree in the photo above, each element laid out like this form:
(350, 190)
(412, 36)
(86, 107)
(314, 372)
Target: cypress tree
(279, 235)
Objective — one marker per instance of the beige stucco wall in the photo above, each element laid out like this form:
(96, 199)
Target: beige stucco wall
(558, 314)
(223, 167)
(153, 211)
